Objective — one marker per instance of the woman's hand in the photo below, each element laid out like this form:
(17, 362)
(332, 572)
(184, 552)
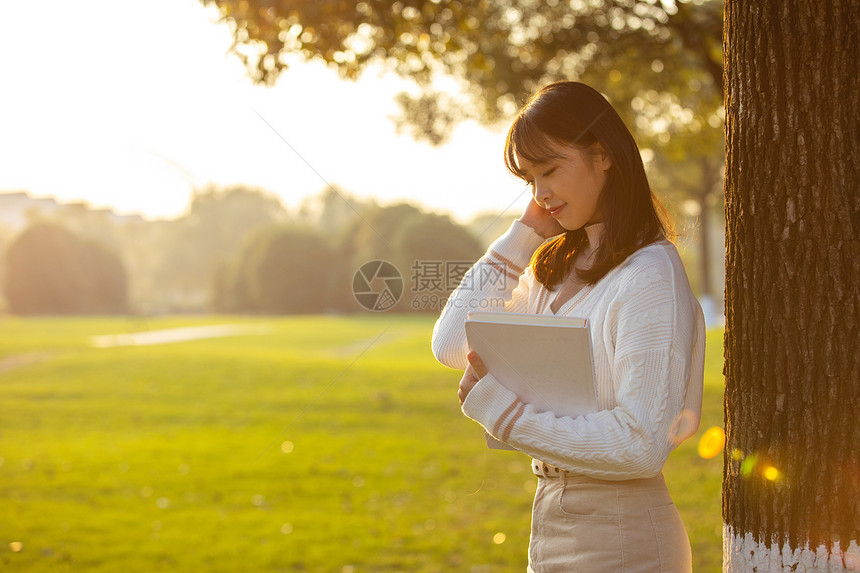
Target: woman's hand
(475, 371)
(541, 221)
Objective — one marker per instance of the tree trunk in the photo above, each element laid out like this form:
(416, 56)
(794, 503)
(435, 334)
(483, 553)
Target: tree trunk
(792, 463)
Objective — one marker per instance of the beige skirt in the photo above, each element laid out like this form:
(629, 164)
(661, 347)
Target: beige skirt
(582, 524)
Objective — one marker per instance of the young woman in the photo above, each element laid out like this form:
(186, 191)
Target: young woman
(601, 502)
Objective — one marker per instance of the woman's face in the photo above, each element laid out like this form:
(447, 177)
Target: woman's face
(569, 184)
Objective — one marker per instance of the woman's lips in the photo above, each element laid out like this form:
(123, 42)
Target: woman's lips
(556, 210)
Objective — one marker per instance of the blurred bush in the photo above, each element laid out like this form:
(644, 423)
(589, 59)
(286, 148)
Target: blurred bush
(51, 270)
(280, 270)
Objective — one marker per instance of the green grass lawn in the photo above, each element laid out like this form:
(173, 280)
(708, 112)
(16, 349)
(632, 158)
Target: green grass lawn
(326, 444)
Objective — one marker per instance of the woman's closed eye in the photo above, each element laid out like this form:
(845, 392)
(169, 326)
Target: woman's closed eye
(547, 173)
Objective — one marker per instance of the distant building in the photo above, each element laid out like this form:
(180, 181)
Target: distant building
(17, 209)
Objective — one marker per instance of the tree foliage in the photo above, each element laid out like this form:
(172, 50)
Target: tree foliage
(280, 270)
(51, 270)
(289, 271)
(660, 63)
(498, 51)
(212, 232)
(297, 269)
(433, 253)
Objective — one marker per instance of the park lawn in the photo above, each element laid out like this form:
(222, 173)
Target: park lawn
(323, 444)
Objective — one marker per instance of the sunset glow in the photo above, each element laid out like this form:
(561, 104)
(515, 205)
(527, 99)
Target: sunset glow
(138, 129)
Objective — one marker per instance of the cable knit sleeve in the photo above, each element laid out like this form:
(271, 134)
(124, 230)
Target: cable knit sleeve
(648, 331)
(499, 281)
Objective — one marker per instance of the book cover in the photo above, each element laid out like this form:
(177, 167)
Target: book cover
(544, 359)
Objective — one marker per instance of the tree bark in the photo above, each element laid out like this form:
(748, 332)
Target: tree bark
(792, 461)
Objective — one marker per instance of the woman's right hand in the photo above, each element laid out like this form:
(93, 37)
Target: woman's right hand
(473, 374)
(541, 221)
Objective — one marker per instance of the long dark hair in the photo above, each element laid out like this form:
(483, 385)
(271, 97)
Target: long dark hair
(571, 113)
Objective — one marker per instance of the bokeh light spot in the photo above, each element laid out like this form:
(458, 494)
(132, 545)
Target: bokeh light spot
(499, 538)
(748, 464)
(712, 442)
(16, 546)
(287, 447)
(771, 473)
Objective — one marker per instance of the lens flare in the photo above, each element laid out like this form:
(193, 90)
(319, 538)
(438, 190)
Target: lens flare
(712, 442)
(771, 473)
(748, 464)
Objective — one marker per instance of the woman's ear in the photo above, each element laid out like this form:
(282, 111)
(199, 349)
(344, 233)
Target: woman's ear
(602, 159)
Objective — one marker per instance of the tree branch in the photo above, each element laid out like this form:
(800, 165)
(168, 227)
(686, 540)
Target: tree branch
(698, 31)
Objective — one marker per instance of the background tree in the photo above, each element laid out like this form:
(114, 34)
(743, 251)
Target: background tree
(332, 211)
(281, 270)
(689, 167)
(659, 62)
(7, 235)
(131, 238)
(499, 51)
(50, 270)
(792, 461)
(194, 245)
(370, 237)
(486, 227)
(428, 249)
(433, 253)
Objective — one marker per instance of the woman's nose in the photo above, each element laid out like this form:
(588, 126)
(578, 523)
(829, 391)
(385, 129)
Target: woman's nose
(541, 193)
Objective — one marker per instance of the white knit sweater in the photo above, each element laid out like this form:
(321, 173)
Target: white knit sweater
(648, 339)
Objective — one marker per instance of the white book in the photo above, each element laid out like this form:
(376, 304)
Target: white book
(544, 359)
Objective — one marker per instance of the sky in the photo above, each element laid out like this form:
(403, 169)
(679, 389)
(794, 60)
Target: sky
(132, 105)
